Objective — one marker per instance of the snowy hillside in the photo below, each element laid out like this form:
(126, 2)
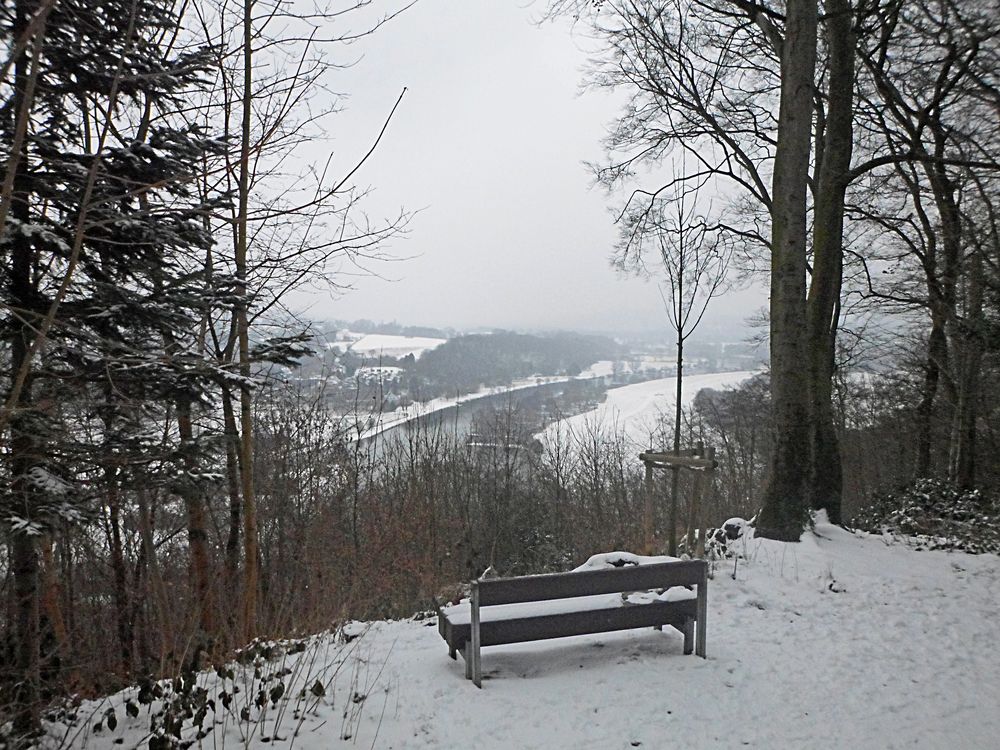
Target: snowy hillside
(840, 641)
(383, 344)
(636, 410)
(379, 344)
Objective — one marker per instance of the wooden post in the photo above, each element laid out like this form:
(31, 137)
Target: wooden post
(647, 512)
(477, 668)
(675, 500)
(694, 459)
(675, 479)
(697, 549)
(693, 508)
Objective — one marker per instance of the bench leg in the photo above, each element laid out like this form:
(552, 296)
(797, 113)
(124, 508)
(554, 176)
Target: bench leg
(688, 636)
(452, 653)
(702, 614)
(477, 671)
(467, 655)
(475, 643)
(476, 664)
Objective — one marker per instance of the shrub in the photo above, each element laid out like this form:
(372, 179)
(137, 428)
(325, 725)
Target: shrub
(936, 515)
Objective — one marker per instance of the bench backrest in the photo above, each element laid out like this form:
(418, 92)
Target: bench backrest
(591, 582)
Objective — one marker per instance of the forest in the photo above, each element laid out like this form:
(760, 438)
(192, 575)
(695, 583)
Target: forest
(167, 500)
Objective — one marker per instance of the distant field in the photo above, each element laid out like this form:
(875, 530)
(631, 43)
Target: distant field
(638, 410)
(385, 345)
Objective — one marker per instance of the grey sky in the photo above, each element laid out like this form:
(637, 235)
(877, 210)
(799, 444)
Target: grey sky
(488, 143)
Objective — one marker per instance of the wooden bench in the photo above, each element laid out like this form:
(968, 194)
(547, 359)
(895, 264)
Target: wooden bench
(564, 604)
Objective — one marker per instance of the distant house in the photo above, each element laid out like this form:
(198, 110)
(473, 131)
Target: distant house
(377, 375)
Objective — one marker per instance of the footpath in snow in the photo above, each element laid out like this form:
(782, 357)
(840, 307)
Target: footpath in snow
(839, 641)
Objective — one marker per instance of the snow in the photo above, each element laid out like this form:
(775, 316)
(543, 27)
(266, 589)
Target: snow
(459, 613)
(20, 525)
(604, 368)
(47, 482)
(380, 344)
(841, 640)
(37, 231)
(636, 410)
(605, 560)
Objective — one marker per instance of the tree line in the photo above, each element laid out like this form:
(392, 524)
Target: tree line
(151, 224)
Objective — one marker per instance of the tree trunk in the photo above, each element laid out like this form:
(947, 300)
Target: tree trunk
(968, 358)
(936, 347)
(675, 473)
(23, 429)
(155, 577)
(24, 566)
(694, 509)
(24, 451)
(647, 511)
(124, 626)
(250, 540)
(823, 305)
(51, 604)
(136, 614)
(784, 501)
(197, 527)
(946, 269)
(232, 439)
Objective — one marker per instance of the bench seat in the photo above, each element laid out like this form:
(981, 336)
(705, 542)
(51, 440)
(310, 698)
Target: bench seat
(533, 623)
(532, 608)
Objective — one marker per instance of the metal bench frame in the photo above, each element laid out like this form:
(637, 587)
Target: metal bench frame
(689, 616)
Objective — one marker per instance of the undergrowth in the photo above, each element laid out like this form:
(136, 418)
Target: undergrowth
(932, 514)
(272, 692)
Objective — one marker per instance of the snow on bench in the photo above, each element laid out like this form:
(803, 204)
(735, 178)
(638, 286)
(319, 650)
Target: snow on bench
(612, 591)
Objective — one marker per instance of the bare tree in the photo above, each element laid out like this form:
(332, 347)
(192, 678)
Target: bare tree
(783, 511)
(705, 78)
(272, 64)
(693, 264)
(926, 84)
(124, 315)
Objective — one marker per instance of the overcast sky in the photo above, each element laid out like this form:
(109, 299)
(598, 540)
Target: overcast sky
(488, 144)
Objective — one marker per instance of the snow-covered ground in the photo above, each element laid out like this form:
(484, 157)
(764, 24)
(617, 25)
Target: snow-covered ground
(637, 410)
(380, 344)
(839, 641)
(603, 368)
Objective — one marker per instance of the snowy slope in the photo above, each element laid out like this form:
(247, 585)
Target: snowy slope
(380, 344)
(603, 368)
(840, 641)
(636, 409)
